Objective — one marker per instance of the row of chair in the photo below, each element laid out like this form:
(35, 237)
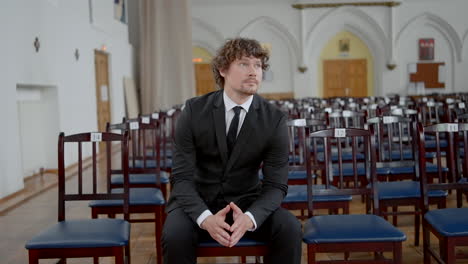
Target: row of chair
(146, 136)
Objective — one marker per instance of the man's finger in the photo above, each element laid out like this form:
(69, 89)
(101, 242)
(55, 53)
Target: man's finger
(235, 208)
(223, 234)
(235, 237)
(224, 211)
(225, 226)
(234, 226)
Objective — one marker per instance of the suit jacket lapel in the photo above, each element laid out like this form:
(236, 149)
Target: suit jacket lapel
(219, 120)
(244, 134)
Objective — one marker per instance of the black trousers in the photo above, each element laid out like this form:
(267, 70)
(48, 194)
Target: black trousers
(281, 230)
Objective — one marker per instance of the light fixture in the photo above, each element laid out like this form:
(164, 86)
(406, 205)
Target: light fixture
(37, 44)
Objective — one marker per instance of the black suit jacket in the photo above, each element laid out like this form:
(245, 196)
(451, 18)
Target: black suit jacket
(204, 177)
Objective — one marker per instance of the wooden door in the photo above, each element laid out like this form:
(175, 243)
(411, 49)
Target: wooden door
(204, 79)
(101, 63)
(345, 78)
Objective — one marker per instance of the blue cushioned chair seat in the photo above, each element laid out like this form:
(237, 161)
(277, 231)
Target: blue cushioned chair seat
(86, 233)
(138, 196)
(346, 156)
(320, 148)
(149, 153)
(350, 228)
(292, 175)
(243, 242)
(450, 222)
(432, 143)
(295, 159)
(430, 168)
(143, 178)
(407, 154)
(404, 189)
(296, 175)
(298, 194)
(348, 170)
(151, 164)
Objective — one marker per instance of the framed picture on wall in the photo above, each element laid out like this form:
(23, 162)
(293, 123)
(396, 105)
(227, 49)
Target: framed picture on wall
(426, 49)
(343, 45)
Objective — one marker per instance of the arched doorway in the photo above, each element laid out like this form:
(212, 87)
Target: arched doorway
(204, 81)
(346, 67)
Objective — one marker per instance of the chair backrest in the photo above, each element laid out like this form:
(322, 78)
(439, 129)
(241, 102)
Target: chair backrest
(444, 157)
(299, 130)
(88, 187)
(348, 174)
(347, 119)
(145, 134)
(395, 137)
(144, 144)
(431, 112)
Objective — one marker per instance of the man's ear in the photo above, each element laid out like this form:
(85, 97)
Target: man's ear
(222, 72)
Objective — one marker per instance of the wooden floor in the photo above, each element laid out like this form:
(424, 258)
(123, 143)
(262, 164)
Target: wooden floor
(36, 208)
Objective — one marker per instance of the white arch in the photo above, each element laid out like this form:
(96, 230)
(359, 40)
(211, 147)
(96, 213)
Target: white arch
(441, 26)
(354, 20)
(205, 35)
(263, 23)
(465, 46)
(278, 28)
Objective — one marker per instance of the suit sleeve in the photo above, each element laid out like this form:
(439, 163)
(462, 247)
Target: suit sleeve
(184, 190)
(275, 171)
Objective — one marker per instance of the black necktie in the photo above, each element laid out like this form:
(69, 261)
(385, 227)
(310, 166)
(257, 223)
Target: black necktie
(232, 132)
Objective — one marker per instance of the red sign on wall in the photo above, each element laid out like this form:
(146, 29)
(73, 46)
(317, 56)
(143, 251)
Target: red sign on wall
(426, 49)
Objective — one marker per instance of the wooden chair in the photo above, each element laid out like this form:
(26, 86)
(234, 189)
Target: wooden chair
(350, 233)
(78, 238)
(449, 225)
(145, 154)
(397, 152)
(300, 171)
(143, 199)
(244, 248)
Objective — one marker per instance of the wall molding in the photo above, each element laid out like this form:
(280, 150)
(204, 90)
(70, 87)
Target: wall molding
(334, 5)
(277, 96)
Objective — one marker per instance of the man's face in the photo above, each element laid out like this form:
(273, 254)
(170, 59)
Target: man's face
(243, 76)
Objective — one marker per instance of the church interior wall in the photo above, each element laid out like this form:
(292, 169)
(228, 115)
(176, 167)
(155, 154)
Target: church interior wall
(61, 27)
(384, 30)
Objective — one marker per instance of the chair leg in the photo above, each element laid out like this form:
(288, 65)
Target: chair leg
(311, 254)
(397, 253)
(157, 233)
(119, 255)
(95, 260)
(417, 223)
(449, 251)
(426, 245)
(33, 258)
(395, 217)
(127, 253)
(459, 199)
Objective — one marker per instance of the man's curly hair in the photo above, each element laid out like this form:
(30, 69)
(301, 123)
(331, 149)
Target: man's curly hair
(235, 49)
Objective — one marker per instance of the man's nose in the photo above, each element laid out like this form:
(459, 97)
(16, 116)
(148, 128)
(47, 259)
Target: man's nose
(252, 71)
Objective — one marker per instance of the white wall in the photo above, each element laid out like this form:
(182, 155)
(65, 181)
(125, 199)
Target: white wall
(61, 26)
(298, 37)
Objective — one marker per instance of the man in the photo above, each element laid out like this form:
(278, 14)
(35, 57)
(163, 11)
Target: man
(221, 141)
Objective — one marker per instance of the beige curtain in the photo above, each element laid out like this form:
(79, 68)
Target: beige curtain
(167, 76)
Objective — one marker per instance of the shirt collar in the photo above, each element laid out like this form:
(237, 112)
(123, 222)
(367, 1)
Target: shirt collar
(229, 104)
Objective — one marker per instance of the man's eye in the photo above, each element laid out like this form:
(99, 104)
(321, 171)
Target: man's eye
(258, 66)
(243, 64)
